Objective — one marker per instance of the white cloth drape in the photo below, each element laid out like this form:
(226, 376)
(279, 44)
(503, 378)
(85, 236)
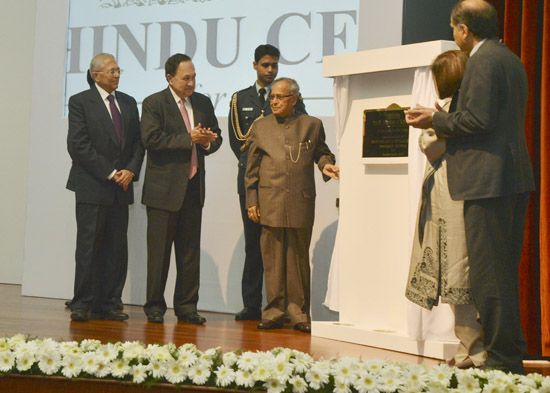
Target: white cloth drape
(422, 324)
(341, 99)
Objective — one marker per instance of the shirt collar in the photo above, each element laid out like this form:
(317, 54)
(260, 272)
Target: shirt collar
(104, 93)
(476, 48)
(178, 98)
(267, 88)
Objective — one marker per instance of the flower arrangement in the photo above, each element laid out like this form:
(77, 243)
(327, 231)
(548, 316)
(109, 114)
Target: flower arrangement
(276, 371)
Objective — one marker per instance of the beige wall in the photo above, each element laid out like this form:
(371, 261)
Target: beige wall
(17, 19)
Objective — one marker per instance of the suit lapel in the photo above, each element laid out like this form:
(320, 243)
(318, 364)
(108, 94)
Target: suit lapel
(101, 110)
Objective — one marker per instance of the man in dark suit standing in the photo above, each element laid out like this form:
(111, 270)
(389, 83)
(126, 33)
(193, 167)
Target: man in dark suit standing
(489, 168)
(246, 106)
(178, 128)
(280, 195)
(106, 150)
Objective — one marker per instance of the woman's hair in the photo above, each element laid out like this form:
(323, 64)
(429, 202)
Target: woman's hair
(448, 69)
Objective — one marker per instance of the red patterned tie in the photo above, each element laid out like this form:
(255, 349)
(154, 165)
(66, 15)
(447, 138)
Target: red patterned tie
(185, 115)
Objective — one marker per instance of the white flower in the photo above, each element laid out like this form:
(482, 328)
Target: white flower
(262, 372)
(16, 340)
(244, 379)
(90, 363)
(436, 387)
(247, 361)
(229, 358)
(525, 380)
(120, 368)
(199, 374)
(274, 386)
(367, 382)
(343, 371)
(7, 360)
(26, 348)
(414, 378)
(317, 378)
(341, 386)
(157, 353)
(175, 372)
(545, 385)
(103, 369)
(133, 350)
(69, 348)
(90, 345)
(441, 374)
(107, 352)
(373, 365)
(224, 375)
(493, 387)
(49, 361)
(299, 384)
(4, 345)
(467, 383)
(25, 361)
(389, 380)
(139, 373)
(281, 368)
(72, 366)
(158, 368)
(186, 357)
(301, 361)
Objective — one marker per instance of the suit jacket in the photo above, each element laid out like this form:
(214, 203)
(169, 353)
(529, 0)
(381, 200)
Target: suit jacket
(279, 175)
(486, 148)
(95, 151)
(249, 109)
(168, 145)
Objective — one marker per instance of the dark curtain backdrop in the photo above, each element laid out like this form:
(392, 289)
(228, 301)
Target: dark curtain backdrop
(525, 26)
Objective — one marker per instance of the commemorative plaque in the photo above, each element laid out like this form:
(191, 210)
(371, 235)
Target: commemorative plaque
(385, 132)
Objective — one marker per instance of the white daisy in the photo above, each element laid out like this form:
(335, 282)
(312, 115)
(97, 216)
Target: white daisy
(186, 357)
(26, 348)
(299, 384)
(274, 386)
(103, 368)
(281, 368)
(199, 374)
(107, 352)
(341, 386)
(90, 362)
(343, 371)
(244, 379)
(317, 378)
(229, 358)
(158, 368)
(133, 350)
(90, 345)
(262, 372)
(139, 373)
(157, 353)
(224, 375)
(441, 374)
(25, 361)
(72, 366)
(49, 361)
(467, 383)
(120, 368)
(366, 382)
(301, 361)
(7, 361)
(15, 341)
(247, 361)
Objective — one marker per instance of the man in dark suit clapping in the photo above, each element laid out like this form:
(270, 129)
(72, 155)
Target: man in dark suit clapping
(488, 167)
(178, 128)
(106, 150)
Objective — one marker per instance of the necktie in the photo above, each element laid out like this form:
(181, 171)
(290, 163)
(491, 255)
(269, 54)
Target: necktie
(261, 96)
(185, 115)
(117, 118)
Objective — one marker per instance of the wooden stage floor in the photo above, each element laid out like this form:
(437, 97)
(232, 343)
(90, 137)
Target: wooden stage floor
(42, 317)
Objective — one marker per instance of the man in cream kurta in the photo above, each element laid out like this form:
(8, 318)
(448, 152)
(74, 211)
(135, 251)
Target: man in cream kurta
(280, 194)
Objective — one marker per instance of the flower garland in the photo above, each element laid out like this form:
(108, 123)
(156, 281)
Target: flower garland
(279, 370)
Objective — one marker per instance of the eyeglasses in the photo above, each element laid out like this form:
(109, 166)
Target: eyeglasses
(278, 97)
(116, 71)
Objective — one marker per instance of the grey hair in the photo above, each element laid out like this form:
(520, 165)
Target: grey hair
(292, 84)
(97, 62)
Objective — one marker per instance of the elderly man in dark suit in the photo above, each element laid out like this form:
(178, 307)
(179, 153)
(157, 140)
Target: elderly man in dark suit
(246, 106)
(106, 150)
(489, 169)
(178, 128)
(280, 195)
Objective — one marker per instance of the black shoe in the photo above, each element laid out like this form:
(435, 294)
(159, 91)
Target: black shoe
(80, 316)
(110, 315)
(248, 314)
(192, 317)
(304, 327)
(155, 317)
(269, 324)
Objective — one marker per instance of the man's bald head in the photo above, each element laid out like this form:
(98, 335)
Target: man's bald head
(480, 17)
